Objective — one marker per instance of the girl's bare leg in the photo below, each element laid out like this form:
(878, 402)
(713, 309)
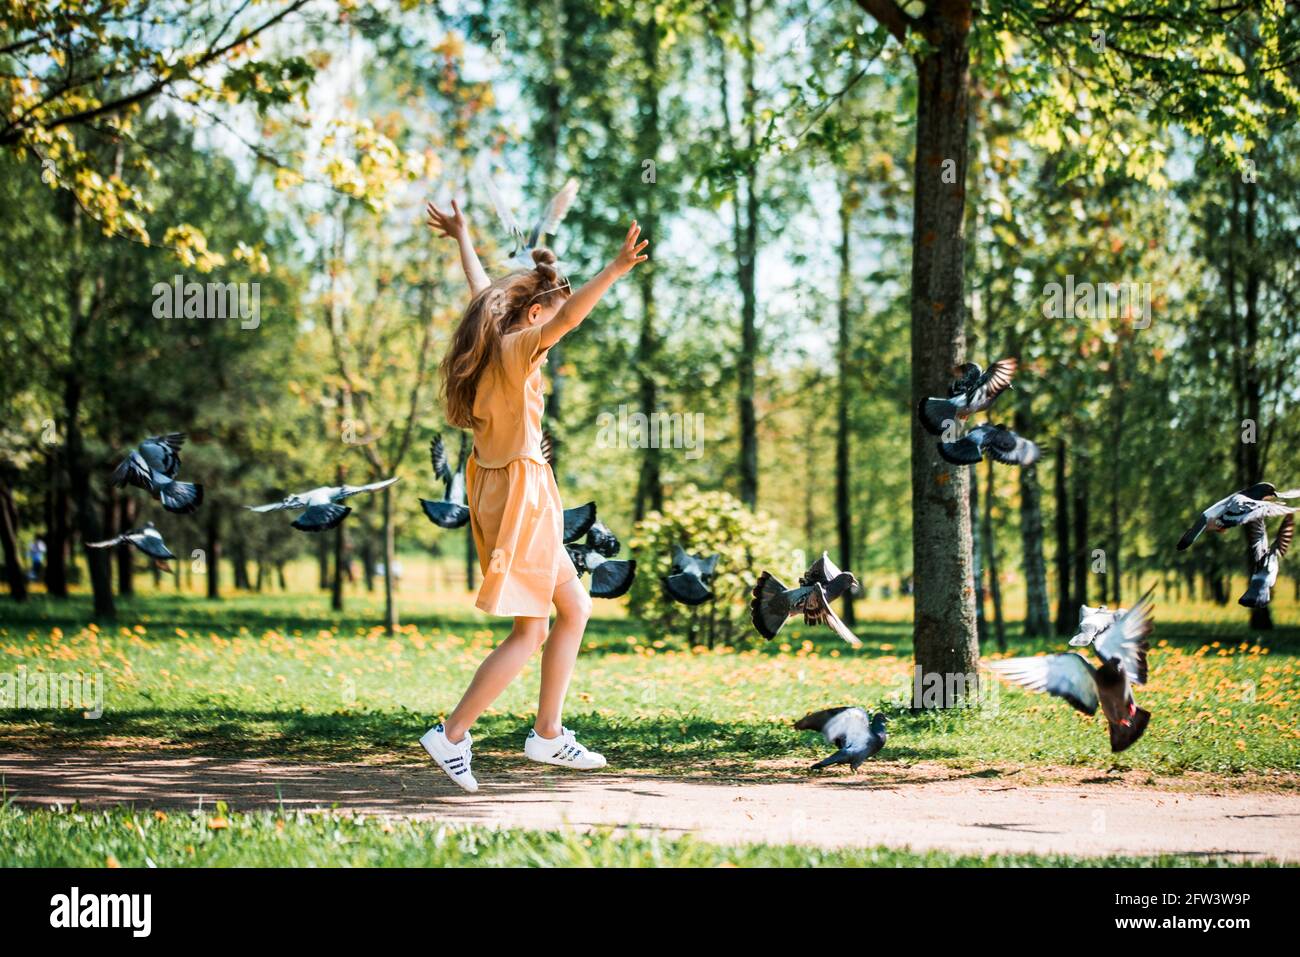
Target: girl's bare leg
(572, 609)
(498, 670)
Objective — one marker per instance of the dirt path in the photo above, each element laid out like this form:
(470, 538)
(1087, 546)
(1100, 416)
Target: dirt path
(970, 814)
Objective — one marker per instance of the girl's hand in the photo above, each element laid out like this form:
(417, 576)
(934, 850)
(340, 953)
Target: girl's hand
(632, 251)
(453, 225)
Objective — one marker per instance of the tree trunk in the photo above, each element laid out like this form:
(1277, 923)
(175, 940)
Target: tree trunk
(649, 486)
(14, 574)
(991, 563)
(843, 426)
(1082, 557)
(746, 241)
(471, 558)
(977, 558)
(340, 553)
(944, 617)
(1064, 623)
(368, 560)
(1038, 620)
(323, 562)
(1261, 619)
(56, 528)
(212, 561)
(390, 559)
(125, 557)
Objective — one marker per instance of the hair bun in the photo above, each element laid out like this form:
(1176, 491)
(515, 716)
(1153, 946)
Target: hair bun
(545, 264)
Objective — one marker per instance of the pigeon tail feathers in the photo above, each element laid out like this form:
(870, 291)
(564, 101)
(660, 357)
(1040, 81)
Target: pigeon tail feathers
(933, 413)
(445, 514)
(769, 608)
(612, 579)
(1123, 736)
(182, 498)
(321, 518)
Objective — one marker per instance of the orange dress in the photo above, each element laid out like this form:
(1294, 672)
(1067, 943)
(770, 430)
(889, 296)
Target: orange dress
(514, 503)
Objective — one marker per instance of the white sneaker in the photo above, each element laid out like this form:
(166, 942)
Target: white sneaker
(564, 751)
(454, 759)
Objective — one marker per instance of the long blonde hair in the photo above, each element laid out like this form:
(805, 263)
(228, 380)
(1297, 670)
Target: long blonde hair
(489, 316)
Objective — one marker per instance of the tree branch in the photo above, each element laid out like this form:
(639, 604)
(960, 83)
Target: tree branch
(890, 16)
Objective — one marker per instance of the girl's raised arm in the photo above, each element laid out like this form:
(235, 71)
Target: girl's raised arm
(576, 307)
(455, 226)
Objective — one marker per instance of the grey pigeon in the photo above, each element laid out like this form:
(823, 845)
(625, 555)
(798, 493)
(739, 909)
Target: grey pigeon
(690, 578)
(153, 467)
(1264, 574)
(997, 441)
(1122, 650)
(321, 510)
(773, 604)
(974, 390)
(1092, 622)
(1239, 508)
(147, 538)
(857, 735)
(579, 519)
(521, 252)
(451, 511)
(610, 577)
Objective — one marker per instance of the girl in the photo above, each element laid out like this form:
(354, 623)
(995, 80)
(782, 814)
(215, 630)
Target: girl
(492, 383)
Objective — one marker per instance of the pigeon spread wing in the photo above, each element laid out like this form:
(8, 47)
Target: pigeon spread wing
(438, 456)
(1010, 449)
(823, 607)
(503, 210)
(1065, 675)
(350, 490)
(1126, 639)
(1193, 533)
(1242, 510)
(817, 720)
(578, 521)
(108, 542)
(133, 470)
(555, 212)
(1257, 540)
(1284, 536)
(687, 589)
(991, 384)
(273, 507)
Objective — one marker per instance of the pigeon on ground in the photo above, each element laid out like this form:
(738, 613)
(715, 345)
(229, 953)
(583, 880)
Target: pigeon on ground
(521, 253)
(1122, 650)
(153, 467)
(1264, 575)
(690, 579)
(857, 735)
(1239, 508)
(972, 391)
(579, 519)
(1092, 622)
(451, 511)
(610, 577)
(997, 441)
(773, 603)
(321, 509)
(147, 538)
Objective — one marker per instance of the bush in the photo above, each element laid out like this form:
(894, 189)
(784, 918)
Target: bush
(705, 523)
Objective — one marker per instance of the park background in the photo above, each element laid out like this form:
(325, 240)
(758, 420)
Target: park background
(767, 149)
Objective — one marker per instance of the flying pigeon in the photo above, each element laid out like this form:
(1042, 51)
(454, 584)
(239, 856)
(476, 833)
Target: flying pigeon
(451, 511)
(521, 254)
(1239, 508)
(1122, 650)
(148, 539)
(833, 581)
(773, 603)
(1264, 575)
(579, 519)
(1092, 622)
(996, 440)
(610, 577)
(321, 509)
(153, 467)
(972, 391)
(690, 579)
(857, 735)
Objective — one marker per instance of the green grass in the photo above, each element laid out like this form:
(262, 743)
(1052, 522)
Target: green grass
(280, 676)
(126, 838)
